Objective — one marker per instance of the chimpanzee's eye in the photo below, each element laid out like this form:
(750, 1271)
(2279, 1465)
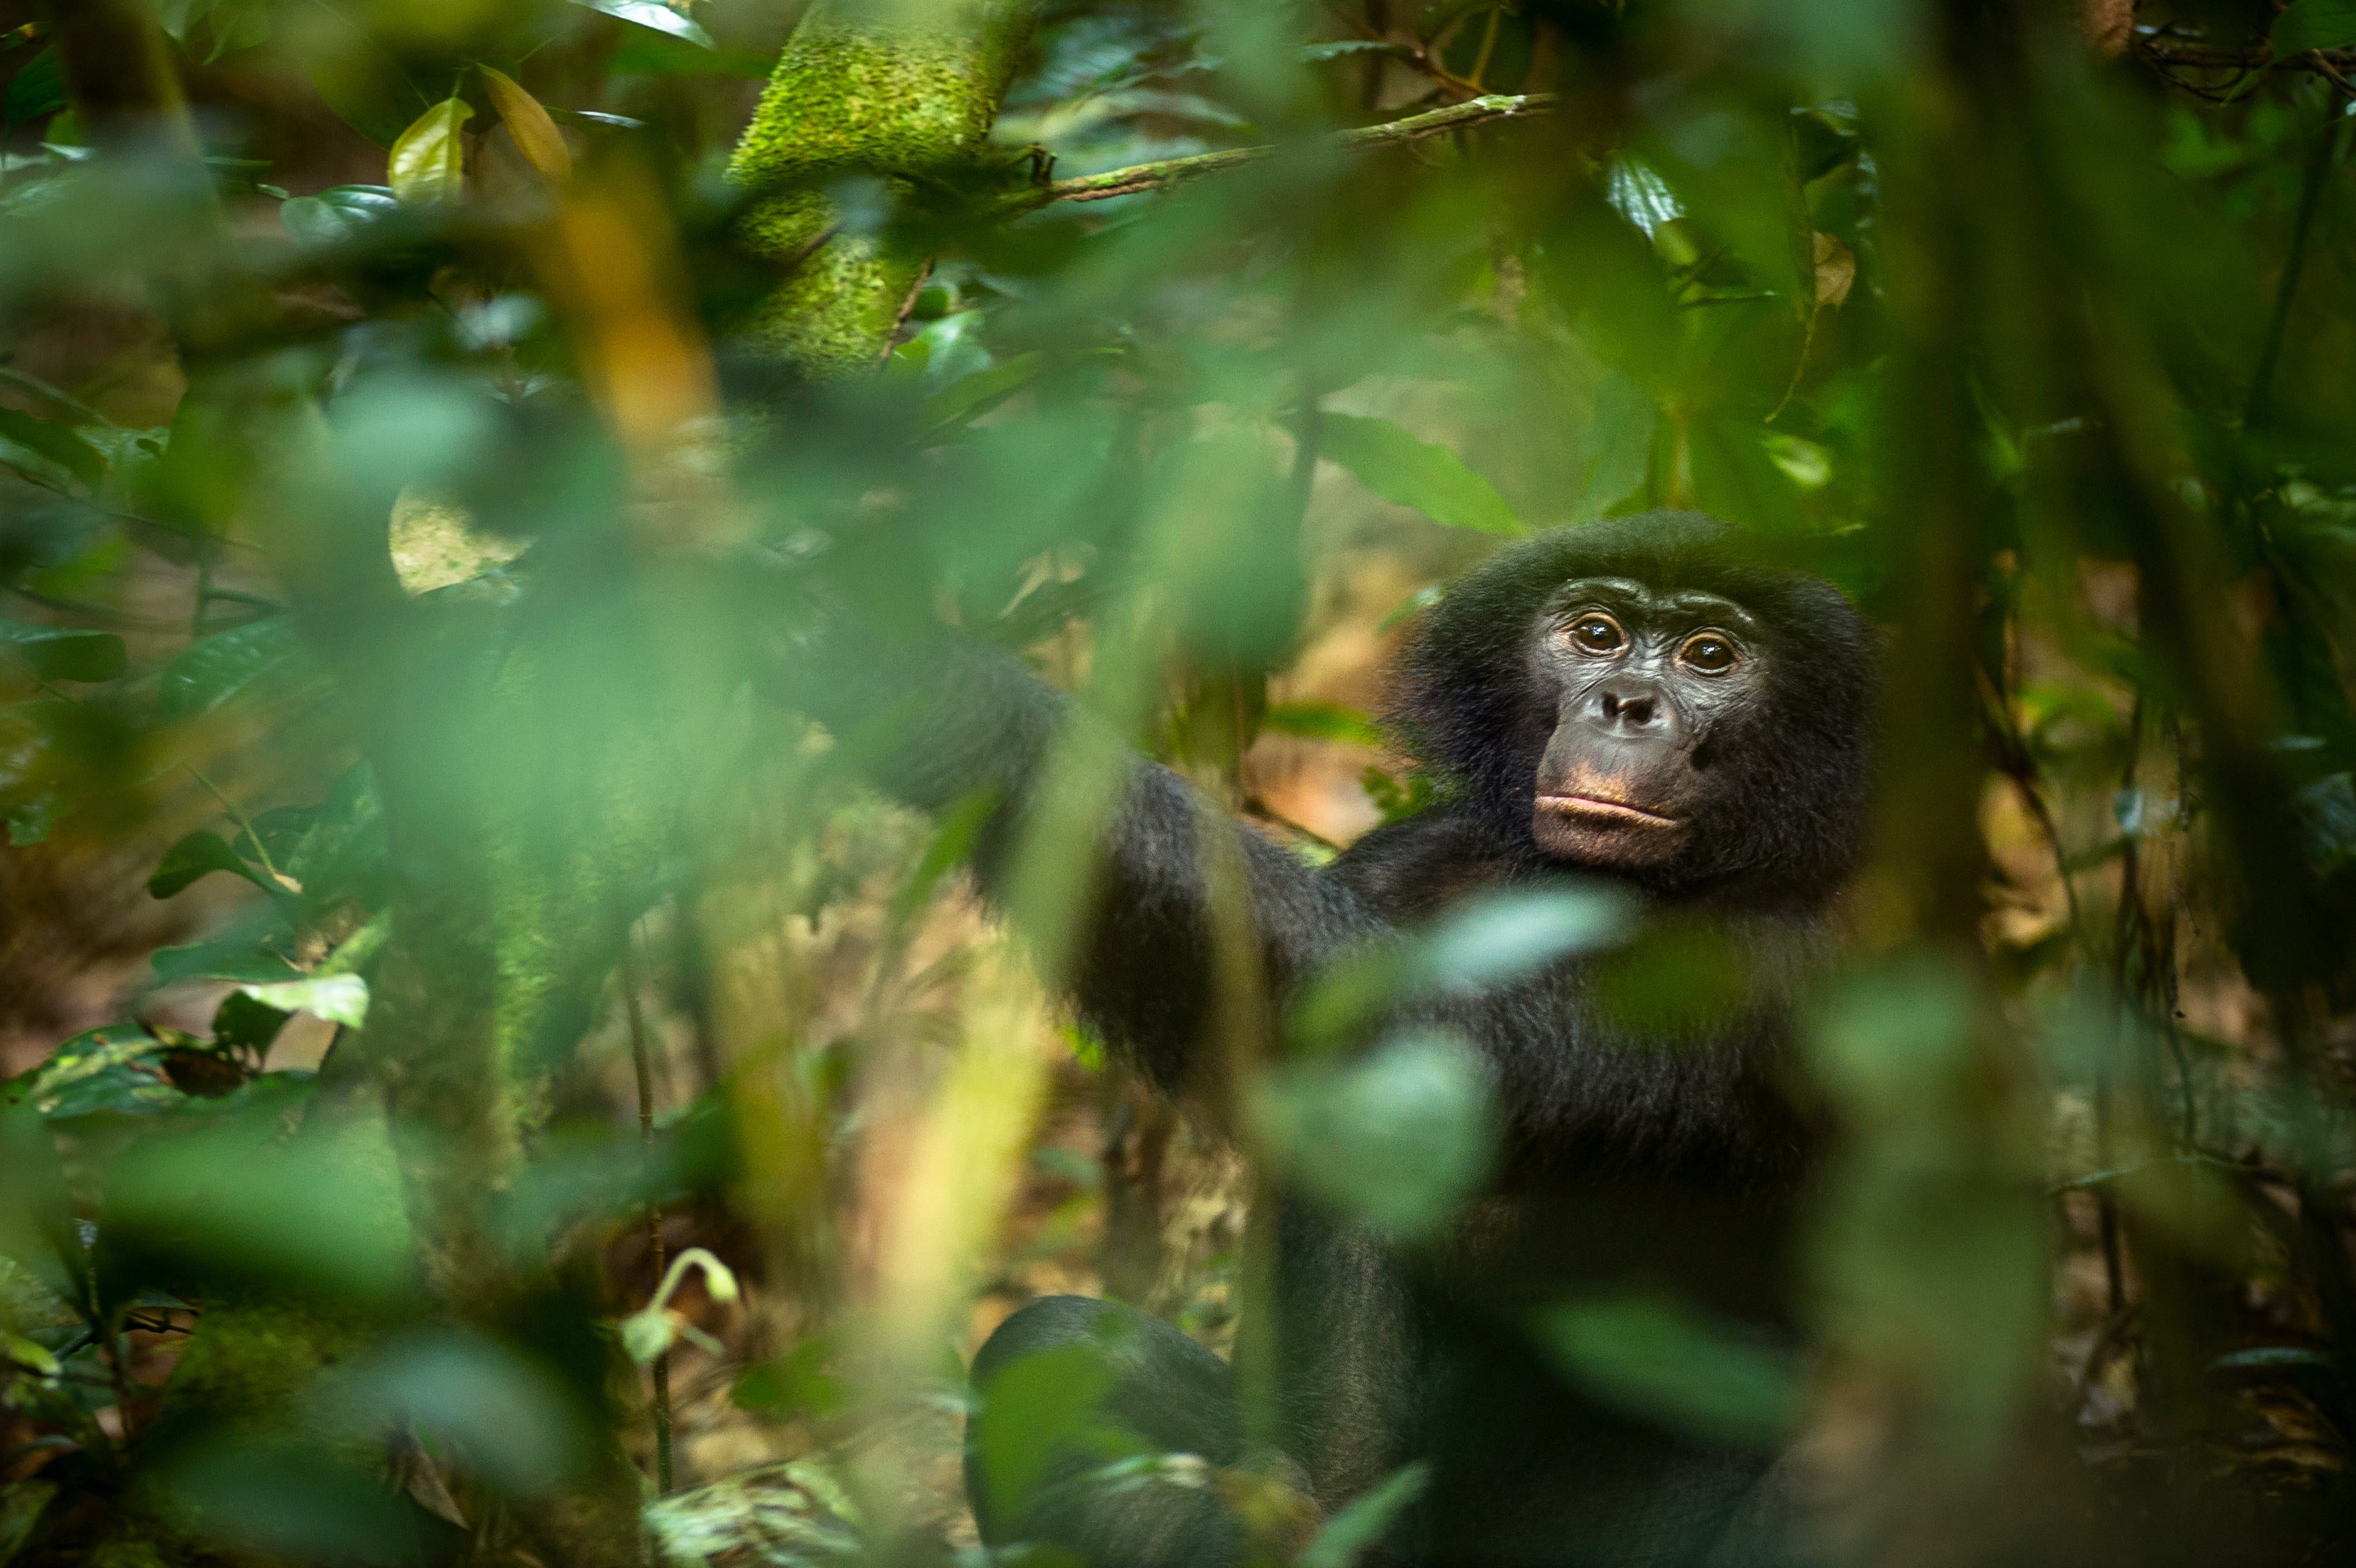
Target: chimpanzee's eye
(1708, 652)
(1596, 633)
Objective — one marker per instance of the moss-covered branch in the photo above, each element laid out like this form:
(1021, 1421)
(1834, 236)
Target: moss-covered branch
(855, 95)
(1395, 132)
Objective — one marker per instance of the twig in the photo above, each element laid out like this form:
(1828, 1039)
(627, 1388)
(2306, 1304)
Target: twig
(1168, 172)
(641, 1061)
(2310, 197)
(245, 825)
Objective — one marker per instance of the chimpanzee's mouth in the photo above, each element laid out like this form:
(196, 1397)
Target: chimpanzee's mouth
(1599, 809)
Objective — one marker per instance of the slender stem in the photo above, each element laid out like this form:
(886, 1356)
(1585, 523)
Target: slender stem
(229, 809)
(2310, 197)
(642, 1063)
(1392, 133)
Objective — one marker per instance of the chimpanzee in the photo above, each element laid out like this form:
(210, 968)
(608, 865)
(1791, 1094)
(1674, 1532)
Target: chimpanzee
(1647, 700)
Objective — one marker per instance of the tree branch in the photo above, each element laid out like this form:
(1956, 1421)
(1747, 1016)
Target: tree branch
(1160, 175)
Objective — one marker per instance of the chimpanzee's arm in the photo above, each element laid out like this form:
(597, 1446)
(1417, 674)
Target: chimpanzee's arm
(934, 719)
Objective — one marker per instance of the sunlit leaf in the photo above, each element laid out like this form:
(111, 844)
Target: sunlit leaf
(428, 162)
(654, 15)
(1421, 474)
(536, 135)
(337, 998)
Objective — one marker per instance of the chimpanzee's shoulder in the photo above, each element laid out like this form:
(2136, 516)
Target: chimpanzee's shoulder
(1412, 868)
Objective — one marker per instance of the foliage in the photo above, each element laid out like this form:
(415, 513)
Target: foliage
(546, 1066)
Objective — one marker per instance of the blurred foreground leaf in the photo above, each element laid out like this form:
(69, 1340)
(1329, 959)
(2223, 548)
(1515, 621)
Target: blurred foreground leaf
(1661, 1360)
(1430, 477)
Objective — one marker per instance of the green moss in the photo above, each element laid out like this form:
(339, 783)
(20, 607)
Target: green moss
(871, 97)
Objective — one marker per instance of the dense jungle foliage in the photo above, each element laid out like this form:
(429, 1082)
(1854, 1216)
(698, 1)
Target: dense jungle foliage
(482, 1081)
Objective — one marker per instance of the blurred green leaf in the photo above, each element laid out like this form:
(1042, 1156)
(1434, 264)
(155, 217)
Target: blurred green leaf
(975, 393)
(38, 88)
(428, 162)
(260, 656)
(1042, 1408)
(61, 444)
(291, 1500)
(1503, 937)
(646, 53)
(1323, 721)
(1661, 1360)
(1420, 474)
(1401, 1138)
(1617, 449)
(340, 215)
(22, 1504)
(1359, 1526)
(65, 653)
(652, 14)
(484, 1405)
(2313, 24)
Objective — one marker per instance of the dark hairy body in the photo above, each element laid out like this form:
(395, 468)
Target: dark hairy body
(1639, 700)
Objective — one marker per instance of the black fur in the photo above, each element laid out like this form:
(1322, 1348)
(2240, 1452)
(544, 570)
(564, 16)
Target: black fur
(1666, 1159)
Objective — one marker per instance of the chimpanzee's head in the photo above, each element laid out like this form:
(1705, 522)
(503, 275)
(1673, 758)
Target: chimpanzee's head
(1648, 697)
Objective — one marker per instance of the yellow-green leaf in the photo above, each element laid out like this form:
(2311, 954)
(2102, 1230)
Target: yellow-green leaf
(536, 135)
(429, 162)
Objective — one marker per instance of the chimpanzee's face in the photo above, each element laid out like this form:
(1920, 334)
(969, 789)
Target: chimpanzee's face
(1641, 679)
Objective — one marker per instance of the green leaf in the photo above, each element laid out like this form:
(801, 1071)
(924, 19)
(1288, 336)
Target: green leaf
(642, 53)
(972, 394)
(2314, 25)
(199, 854)
(428, 163)
(1322, 721)
(1618, 446)
(38, 89)
(340, 215)
(1352, 1533)
(649, 14)
(65, 653)
(223, 667)
(60, 444)
(1429, 478)
(337, 998)
(1662, 1360)
(1399, 1139)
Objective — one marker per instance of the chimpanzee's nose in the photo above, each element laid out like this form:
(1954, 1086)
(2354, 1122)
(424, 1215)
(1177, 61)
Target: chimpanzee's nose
(1633, 711)
(1629, 707)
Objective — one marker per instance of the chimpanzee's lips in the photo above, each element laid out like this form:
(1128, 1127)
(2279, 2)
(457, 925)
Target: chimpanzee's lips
(1597, 809)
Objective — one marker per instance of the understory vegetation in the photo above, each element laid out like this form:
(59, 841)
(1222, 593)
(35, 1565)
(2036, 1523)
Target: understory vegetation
(482, 1081)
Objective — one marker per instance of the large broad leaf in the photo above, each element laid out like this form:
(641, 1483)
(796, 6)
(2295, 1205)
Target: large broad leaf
(428, 163)
(340, 215)
(64, 653)
(40, 89)
(1429, 478)
(261, 655)
(2314, 25)
(651, 14)
(1618, 449)
(200, 854)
